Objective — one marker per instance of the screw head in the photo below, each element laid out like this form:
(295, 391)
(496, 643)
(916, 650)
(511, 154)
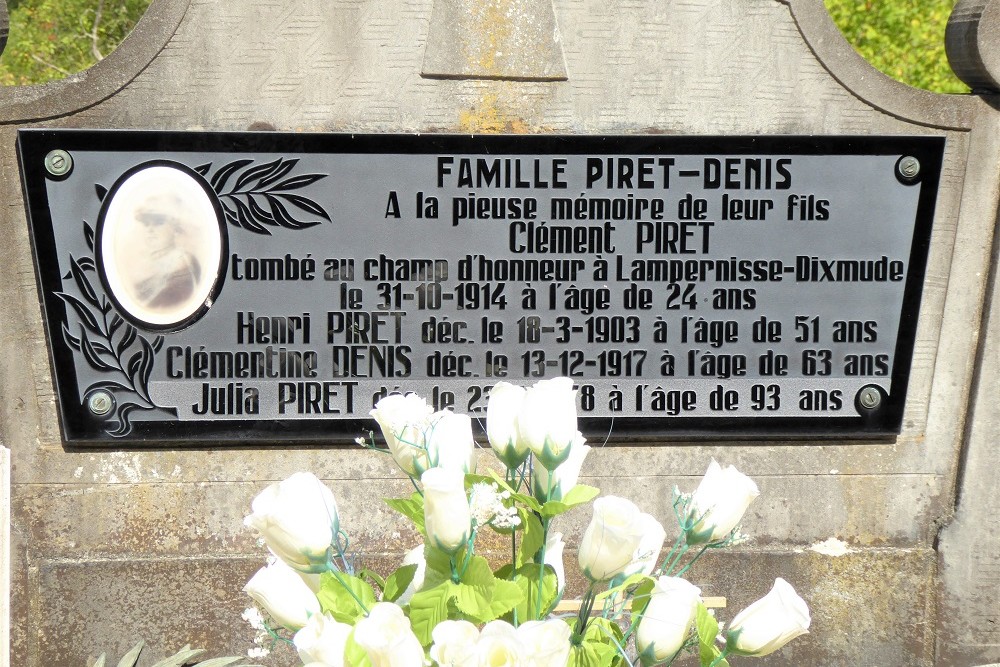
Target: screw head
(869, 398)
(909, 168)
(100, 402)
(58, 162)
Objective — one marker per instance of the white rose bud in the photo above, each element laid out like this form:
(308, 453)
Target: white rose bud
(403, 420)
(554, 546)
(414, 556)
(450, 443)
(546, 642)
(667, 621)
(454, 644)
(547, 421)
(502, 410)
(322, 640)
(769, 623)
(500, 646)
(718, 504)
(447, 518)
(609, 543)
(386, 635)
(647, 554)
(566, 474)
(298, 520)
(283, 594)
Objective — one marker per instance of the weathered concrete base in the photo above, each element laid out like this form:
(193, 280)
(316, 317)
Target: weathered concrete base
(107, 605)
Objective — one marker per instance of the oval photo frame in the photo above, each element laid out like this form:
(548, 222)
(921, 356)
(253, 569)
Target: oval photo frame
(161, 245)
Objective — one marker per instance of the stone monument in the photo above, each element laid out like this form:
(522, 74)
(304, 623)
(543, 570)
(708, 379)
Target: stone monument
(889, 533)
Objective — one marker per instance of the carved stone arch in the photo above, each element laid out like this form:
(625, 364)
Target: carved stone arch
(971, 44)
(857, 75)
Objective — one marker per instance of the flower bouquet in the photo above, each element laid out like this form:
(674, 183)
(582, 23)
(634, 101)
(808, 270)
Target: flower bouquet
(448, 605)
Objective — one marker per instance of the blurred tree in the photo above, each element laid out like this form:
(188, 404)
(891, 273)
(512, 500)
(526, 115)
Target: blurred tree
(50, 39)
(903, 38)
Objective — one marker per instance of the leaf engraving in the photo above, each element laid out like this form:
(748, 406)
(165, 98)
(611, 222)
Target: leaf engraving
(261, 196)
(106, 340)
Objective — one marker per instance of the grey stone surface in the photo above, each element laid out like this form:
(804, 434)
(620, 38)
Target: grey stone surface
(4, 555)
(970, 41)
(494, 39)
(94, 531)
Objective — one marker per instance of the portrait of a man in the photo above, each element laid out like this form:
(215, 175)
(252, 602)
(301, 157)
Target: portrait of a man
(173, 272)
(161, 245)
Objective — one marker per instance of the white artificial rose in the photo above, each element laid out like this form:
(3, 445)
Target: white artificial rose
(502, 410)
(500, 646)
(609, 543)
(554, 546)
(769, 623)
(719, 503)
(667, 621)
(283, 594)
(564, 477)
(322, 640)
(414, 556)
(447, 518)
(454, 644)
(546, 643)
(449, 443)
(647, 554)
(547, 422)
(404, 420)
(298, 520)
(387, 637)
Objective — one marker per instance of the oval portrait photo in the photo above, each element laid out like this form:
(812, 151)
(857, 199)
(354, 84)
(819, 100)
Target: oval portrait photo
(160, 246)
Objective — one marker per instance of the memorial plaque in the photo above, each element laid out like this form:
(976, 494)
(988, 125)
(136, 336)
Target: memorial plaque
(250, 288)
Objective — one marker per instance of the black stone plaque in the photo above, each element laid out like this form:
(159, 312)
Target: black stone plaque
(253, 288)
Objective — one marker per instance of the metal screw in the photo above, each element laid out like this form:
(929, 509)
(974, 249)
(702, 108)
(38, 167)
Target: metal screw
(869, 397)
(58, 162)
(909, 167)
(100, 402)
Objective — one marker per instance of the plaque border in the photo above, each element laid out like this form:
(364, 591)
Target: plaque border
(80, 429)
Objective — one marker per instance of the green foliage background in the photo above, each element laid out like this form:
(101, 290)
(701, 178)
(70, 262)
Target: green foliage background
(51, 38)
(903, 38)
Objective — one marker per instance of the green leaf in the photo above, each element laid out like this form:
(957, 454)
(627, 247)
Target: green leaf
(527, 580)
(629, 582)
(532, 537)
(525, 500)
(707, 656)
(438, 568)
(335, 596)
(412, 508)
(428, 608)
(708, 629)
(640, 596)
(132, 657)
(182, 657)
(397, 582)
(481, 596)
(373, 577)
(578, 495)
(354, 655)
(592, 653)
(220, 662)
